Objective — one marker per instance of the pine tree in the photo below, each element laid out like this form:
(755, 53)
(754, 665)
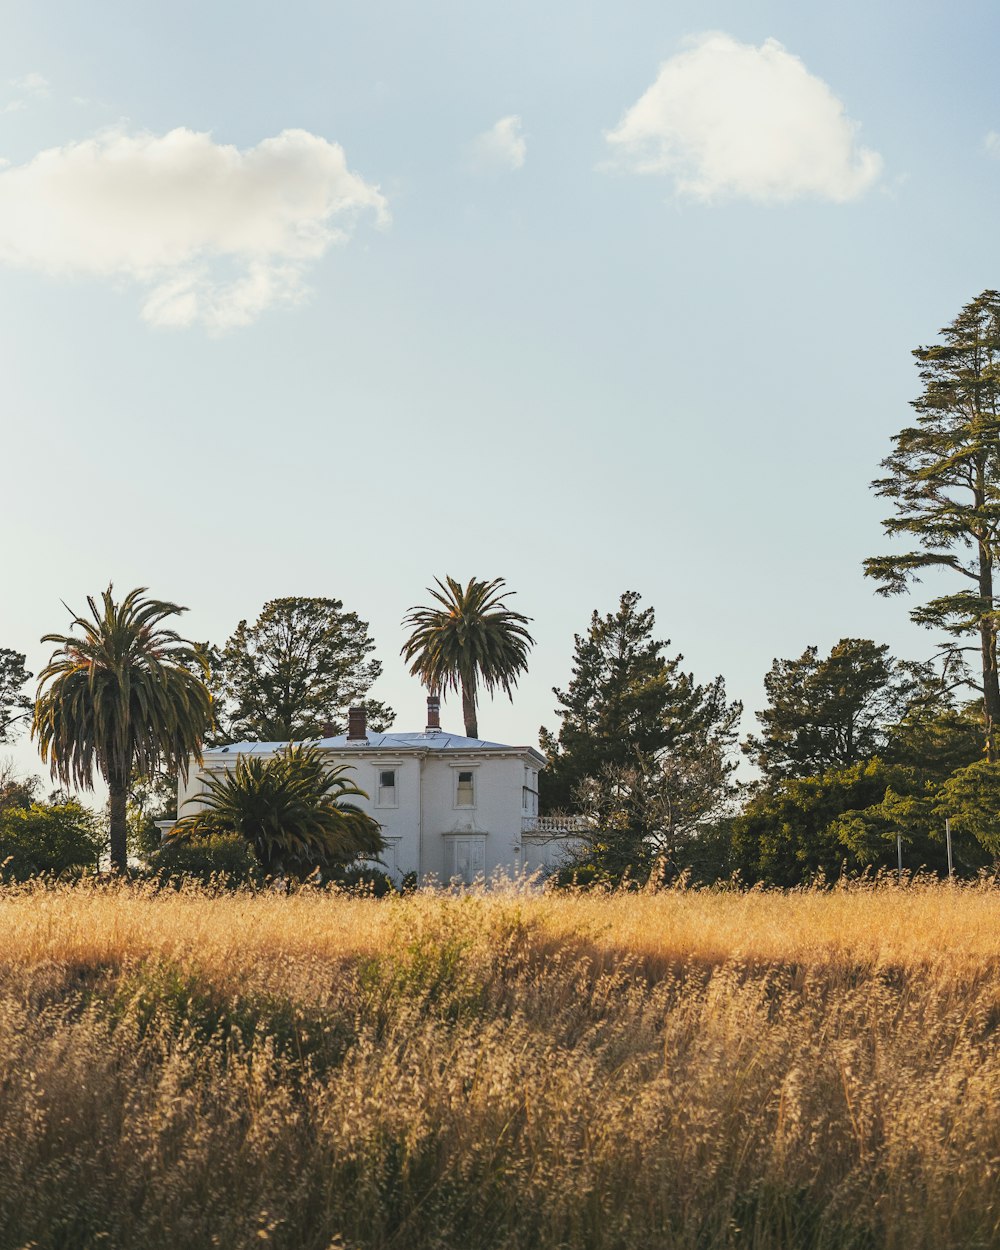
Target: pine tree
(294, 673)
(15, 706)
(834, 711)
(943, 479)
(628, 704)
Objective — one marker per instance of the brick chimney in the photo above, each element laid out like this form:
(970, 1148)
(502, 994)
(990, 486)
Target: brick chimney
(433, 714)
(357, 728)
(328, 729)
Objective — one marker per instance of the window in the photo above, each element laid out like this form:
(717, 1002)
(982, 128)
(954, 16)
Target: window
(387, 787)
(529, 793)
(465, 790)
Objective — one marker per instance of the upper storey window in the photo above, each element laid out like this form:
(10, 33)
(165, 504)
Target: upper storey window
(465, 788)
(387, 787)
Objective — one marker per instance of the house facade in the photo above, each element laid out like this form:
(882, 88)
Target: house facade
(451, 808)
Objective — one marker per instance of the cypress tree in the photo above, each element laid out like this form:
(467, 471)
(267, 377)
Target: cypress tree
(943, 480)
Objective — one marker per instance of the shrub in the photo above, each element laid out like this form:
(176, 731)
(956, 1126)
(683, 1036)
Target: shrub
(291, 808)
(218, 857)
(56, 838)
(364, 879)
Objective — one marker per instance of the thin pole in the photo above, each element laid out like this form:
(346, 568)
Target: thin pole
(947, 839)
(899, 854)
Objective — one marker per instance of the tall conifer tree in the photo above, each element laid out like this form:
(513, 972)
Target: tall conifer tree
(628, 704)
(832, 711)
(943, 480)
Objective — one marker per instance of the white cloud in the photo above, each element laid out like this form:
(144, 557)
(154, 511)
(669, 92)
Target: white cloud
(209, 232)
(500, 149)
(727, 119)
(992, 143)
(33, 84)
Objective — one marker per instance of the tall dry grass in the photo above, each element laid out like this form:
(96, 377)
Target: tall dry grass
(682, 1069)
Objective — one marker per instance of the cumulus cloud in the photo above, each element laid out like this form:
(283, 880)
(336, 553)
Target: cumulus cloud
(500, 149)
(31, 84)
(210, 233)
(727, 119)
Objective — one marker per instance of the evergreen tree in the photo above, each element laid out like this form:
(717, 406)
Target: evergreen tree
(294, 673)
(934, 741)
(943, 480)
(628, 704)
(831, 712)
(15, 706)
(850, 816)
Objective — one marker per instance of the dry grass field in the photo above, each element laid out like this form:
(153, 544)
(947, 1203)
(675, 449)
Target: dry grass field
(676, 1069)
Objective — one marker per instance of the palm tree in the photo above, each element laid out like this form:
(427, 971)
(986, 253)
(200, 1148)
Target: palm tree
(124, 697)
(469, 637)
(291, 810)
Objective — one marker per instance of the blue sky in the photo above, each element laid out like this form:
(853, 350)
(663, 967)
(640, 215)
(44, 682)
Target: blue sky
(479, 336)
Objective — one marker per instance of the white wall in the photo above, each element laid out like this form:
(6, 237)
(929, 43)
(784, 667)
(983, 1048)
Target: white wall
(429, 831)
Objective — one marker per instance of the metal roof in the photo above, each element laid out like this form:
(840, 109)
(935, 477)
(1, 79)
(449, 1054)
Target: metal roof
(440, 741)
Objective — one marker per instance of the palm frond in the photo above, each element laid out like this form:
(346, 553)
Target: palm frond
(469, 637)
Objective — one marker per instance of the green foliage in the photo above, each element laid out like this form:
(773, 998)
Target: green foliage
(831, 712)
(802, 827)
(291, 808)
(971, 798)
(57, 838)
(17, 790)
(361, 879)
(226, 858)
(468, 637)
(849, 818)
(150, 799)
(654, 814)
(629, 705)
(294, 673)
(15, 705)
(933, 742)
(125, 696)
(943, 481)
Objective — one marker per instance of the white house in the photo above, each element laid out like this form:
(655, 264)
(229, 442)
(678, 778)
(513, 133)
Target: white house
(450, 807)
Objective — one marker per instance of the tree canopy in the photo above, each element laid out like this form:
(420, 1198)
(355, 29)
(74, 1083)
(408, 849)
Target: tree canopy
(292, 809)
(124, 695)
(628, 704)
(833, 711)
(15, 706)
(295, 672)
(469, 636)
(943, 481)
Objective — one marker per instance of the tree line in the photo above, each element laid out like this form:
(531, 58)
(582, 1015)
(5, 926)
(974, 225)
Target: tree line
(124, 696)
(854, 749)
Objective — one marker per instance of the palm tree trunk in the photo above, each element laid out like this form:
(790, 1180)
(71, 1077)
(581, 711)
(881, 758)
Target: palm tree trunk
(118, 795)
(469, 710)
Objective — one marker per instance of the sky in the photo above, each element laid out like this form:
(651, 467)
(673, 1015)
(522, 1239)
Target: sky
(333, 299)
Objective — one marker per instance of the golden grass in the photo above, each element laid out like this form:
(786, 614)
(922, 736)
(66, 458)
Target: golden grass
(506, 1069)
(919, 924)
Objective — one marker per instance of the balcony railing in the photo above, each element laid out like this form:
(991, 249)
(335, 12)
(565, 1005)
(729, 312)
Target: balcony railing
(552, 826)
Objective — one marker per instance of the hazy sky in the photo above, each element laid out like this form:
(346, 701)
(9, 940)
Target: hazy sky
(332, 298)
